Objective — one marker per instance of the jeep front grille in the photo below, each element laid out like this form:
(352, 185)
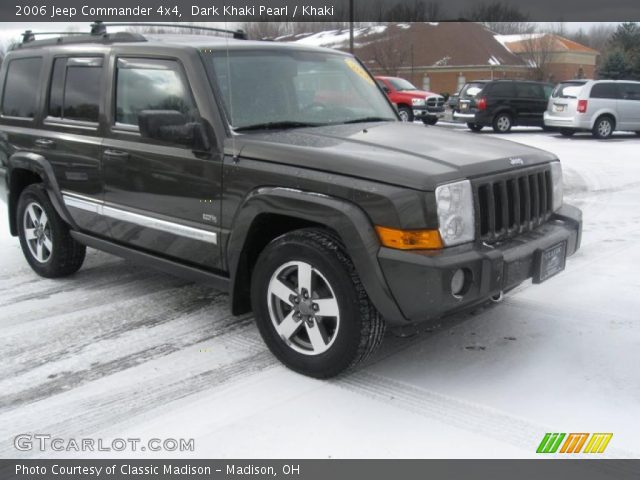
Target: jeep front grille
(435, 102)
(512, 203)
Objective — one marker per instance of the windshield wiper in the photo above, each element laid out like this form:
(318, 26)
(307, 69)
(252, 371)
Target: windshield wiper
(368, 119)
(276, 125)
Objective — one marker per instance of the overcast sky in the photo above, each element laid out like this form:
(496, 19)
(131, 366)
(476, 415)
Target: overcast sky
(10, 31)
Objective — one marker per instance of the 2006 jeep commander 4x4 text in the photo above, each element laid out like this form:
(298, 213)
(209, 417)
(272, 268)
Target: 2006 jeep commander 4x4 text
(280, 173)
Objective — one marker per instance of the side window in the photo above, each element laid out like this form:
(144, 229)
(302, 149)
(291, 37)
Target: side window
(604, 90)
(502, 89)
(529, 90)
(20, 88)
(150, 85)
(630, 91)
(75, 89)
(548, 89)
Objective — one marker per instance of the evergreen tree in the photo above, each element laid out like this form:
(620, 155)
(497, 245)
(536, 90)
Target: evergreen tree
(615, 67)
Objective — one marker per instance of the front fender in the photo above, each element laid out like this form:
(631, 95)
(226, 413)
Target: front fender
(345, 218)
(37, 164)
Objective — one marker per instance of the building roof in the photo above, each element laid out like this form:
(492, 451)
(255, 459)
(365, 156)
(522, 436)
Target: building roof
(551, 42)
(448, 44)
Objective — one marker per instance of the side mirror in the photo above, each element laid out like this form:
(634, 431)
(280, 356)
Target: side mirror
(173, 127)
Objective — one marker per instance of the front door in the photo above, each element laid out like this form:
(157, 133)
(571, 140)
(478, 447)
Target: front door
(160, 196)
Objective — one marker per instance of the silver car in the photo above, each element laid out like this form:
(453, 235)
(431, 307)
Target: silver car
(598, 106)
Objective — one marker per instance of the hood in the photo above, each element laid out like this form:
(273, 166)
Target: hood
(417, 93)
(395, 153)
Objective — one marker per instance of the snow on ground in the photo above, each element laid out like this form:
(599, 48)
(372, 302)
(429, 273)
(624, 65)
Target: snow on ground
(122, 351)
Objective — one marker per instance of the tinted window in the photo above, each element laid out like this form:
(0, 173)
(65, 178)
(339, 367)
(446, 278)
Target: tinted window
(604, 90)
(630, 91)
(503, 89)
(150, 85)
(21, 87)
(75, 89)
(529, 90)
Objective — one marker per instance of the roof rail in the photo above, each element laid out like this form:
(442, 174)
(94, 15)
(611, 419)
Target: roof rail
(100, 28)
(30, 36)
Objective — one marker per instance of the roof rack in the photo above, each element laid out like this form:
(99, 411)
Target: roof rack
(99, 31)
(100, 28)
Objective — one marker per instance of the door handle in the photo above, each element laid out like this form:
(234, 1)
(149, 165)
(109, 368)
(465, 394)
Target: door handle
(116, 153)
(45, 143)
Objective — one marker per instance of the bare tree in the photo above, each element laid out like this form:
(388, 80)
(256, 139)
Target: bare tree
(538, 50)
(500, 17)
(266, 30)
(390, 51)
(416, 11)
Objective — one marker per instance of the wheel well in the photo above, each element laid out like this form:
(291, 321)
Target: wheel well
(403, 105)
(20, 179)
(609, 115)
(265, 228)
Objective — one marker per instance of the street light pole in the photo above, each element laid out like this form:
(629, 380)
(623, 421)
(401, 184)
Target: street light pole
(351, 15)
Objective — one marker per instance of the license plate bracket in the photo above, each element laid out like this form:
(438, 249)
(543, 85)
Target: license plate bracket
(549, 262)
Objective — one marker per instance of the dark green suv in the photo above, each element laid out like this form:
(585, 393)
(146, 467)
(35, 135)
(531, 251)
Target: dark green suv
(277, 172)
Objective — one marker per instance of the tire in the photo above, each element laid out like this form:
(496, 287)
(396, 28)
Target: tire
(406, 114)
(430, 120)
(567, 132)
(474, 127)
(604, 127)
(45, 240)
(502, 123)
(347, 338)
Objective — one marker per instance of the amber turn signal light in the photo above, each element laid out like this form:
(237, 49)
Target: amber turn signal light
(409, 239)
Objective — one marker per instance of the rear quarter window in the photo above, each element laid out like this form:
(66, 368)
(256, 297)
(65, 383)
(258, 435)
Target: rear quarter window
(604, 90)
(21, 86)
(567, 90)
(502, 89)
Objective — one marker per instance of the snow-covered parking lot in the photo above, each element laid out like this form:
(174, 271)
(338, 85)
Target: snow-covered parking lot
(122, 351)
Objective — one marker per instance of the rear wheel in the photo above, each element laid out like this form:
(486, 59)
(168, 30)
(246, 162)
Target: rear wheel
(502, 123)
(430, 120)
(44, 237)
(474, 127)
(567, 132)
(406, 114)
(604, 127)
(311, 308)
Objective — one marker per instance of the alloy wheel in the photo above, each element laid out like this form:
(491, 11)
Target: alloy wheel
(37, 232)
(303, 308)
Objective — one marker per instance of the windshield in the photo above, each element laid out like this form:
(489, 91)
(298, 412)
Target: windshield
(568, 90)
(290, 88)
(401, 84)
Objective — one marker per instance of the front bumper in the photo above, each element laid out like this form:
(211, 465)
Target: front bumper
(419, 112)
(420, 281)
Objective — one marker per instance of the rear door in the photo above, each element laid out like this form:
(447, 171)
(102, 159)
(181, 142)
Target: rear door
(531, 103)
(159, 195)
(71, 135)
(629, 106)
(501, 96)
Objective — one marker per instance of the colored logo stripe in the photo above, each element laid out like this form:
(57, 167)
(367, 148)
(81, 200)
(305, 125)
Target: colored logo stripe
(574, 443)
(550, 443)
(598, 442)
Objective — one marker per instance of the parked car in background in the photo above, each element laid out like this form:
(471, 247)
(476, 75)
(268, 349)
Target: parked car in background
(503, 104)
(465, 96)
(413, 104)
(599, 106)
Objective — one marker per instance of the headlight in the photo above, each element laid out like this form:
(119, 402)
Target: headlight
(556, 179)
(455, 212)
(418, 101)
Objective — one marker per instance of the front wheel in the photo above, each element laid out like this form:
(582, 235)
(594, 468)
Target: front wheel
(406, 114)
(502, 123)
(430, 120)
(311, 308)
(44, 237)
(474, 127)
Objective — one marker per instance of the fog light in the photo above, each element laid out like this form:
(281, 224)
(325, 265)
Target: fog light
(459, 282)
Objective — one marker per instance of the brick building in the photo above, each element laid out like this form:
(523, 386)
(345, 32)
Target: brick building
(441, 57)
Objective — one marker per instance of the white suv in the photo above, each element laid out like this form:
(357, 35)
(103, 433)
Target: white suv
(599, 106)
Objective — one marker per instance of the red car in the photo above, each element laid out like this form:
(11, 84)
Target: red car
(413, 104)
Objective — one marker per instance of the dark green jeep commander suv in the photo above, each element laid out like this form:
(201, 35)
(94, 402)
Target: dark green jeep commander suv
(278, 172)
